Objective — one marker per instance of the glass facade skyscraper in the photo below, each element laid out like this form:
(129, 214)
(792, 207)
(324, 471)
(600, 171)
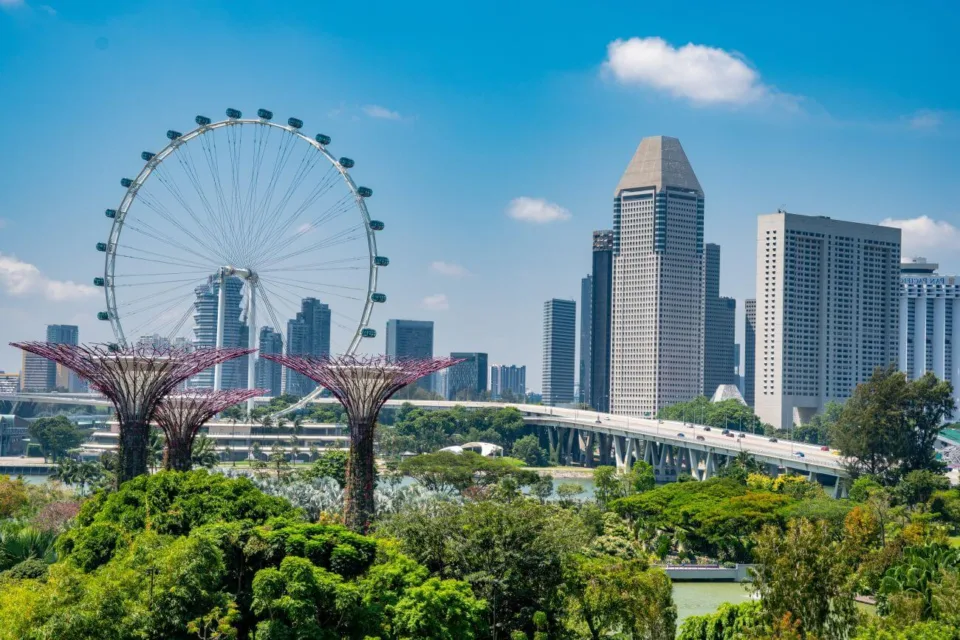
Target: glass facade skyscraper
(307, 334)
(559, 351)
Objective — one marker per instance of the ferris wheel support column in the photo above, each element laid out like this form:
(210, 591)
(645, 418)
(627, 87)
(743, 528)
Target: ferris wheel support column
(221, 312)
(252, 342)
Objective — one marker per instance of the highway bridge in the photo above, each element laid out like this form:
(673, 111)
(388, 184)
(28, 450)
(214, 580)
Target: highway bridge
(672, 447)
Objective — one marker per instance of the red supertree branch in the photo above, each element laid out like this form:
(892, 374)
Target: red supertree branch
(134, 379)
(362, 384)
(181, 416)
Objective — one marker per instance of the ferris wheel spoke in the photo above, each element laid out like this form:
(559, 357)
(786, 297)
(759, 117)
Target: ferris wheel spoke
(318, 284)
(185, 158)
(309, 160)
(260, 140)
(208, 143)
(163, 312)
(271, 311)
(156, 282)
(326, 183)
(153, 295)
(149, 275)
(308, 228)
(176, 264)
(303, 290)
(343, 237)
(172, 333)
(147, 199)
(289, 288)
(175, 191)
(139, 250)
(149, 232)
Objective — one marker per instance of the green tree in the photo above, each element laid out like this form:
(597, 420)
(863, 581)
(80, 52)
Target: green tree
(918, 486)
(439, 610)
(623, 598)
(804, 573)
(448, 471)
(728, 622)
(514, 554)
(56, 436)
(542, 487)
(329, 464)
(889, 425)
(529, 450)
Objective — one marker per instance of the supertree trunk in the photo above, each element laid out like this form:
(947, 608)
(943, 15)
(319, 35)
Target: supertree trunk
(179, 454)
(132, 455)
(358, 501)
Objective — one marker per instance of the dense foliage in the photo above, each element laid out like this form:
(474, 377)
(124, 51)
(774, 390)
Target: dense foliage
(889, 425)
(56, 436)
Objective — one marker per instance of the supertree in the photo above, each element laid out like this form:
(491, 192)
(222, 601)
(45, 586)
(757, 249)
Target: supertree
(363, 385)
(180, 417)
(134, 379)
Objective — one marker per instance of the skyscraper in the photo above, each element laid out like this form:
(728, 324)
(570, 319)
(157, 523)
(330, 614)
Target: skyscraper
(467, 380)
(559, 351)
(234, 372)
(828, 295)
(929, 322)
(269, 374)
(308, 334)
(749, 351)
(34, 372)
(719, 331)
(411, 339)
(657, 339)
(586, 319)
(58, 376)
(511, 380)
(600, 323)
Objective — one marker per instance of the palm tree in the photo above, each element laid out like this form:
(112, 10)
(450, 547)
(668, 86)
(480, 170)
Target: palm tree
(66, 471)
(155, 450)
(19, 543)
(203, 453)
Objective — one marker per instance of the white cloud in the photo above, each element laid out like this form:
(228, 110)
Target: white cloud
(704, 75)
(306, 227)
(448, 269)
(536, 210)
(923, 233)
(925, 120)
(48, 9)
(436, 302)
(376, 111)
(18, 278)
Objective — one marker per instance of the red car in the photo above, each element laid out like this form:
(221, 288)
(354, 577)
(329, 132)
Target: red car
(824, 448)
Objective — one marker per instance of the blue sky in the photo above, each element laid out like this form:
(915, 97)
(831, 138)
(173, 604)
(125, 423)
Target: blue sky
(459, 115)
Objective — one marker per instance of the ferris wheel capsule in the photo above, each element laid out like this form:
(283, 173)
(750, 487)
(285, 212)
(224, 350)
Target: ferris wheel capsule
(346, 163)
(295, 123)
(369, 333)
(204, 120)
(376, 225)
(322, 139)
(265, 114)
(233, 114)
(364, 192)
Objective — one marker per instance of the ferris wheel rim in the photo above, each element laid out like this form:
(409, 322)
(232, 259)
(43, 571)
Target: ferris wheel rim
(157, 159)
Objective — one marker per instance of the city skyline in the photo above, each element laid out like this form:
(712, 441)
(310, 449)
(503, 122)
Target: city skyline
(795, 131)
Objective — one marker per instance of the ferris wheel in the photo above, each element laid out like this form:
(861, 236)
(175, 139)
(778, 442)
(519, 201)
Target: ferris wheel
(236, 221)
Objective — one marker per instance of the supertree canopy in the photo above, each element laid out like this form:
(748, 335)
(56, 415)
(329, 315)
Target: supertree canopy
(134, 379)
(180, 416)
(363, 385)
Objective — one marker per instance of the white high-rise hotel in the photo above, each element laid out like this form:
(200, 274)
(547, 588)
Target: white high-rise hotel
(929, 340)
(657, 335)
(828, 295)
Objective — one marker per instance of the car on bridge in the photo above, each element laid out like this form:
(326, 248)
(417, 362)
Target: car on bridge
(773, 440)
(741, 435)
(700, 438)
(707, 429)
(798, 454)
(824, 448)
(680, 435)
